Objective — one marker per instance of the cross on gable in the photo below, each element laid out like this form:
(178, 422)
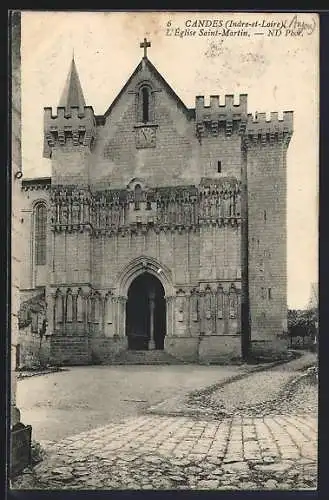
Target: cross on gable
(144, 45)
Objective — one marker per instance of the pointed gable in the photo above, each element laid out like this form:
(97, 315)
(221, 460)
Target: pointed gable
(72, 95)
(146, 66)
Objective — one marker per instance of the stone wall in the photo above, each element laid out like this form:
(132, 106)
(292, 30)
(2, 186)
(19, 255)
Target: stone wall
(267, 219)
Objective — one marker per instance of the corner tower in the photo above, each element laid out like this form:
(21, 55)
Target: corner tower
(265, 149)
(70, 134)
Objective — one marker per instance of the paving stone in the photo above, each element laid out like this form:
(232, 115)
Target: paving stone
(271, 484)
(279, 467)
(177, 478)
(236, 467)
(208, 484)
(248, 485)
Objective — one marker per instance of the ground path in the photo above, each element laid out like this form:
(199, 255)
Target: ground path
(248, 449)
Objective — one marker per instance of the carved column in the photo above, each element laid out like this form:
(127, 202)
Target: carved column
(220, 322)
(170, 315)
(80, 306)
(50, 301)
(152, 307)
(208, 311)
(194, 306)
(108, 316)
(58, 311)
(120, 319)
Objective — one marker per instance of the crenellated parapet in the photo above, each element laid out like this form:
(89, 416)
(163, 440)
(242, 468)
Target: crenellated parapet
(230, 117)
(74, 125)
(262, 130)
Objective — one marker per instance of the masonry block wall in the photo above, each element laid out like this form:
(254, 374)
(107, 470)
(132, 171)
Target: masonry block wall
(267, 143)
(152, 186)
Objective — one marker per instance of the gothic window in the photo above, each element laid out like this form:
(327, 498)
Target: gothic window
(40, 234)
(219, 167)
(109, 310)
(58, 308)
(146, 104)
(91, 308)
(138, 196)
(97, 310)
(79, 307)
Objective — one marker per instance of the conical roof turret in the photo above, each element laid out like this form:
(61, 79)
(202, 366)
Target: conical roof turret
(72, 94)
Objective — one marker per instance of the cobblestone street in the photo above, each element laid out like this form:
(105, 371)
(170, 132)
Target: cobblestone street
(272, 449)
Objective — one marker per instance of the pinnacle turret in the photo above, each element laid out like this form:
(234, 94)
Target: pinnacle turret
(72, 95)
(74, 122)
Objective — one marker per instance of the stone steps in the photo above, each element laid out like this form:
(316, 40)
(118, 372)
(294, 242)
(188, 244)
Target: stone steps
(154, 357)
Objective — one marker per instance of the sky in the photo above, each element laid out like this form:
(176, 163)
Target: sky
(279, 73)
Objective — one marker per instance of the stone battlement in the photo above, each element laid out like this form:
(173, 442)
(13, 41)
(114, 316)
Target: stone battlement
(259, 125)
(74, 121)
(217, 111)
(68, 116)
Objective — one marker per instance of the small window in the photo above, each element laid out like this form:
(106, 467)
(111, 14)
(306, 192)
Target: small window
(148, 205)
(146, 104)
(264, 215)
(219, 167)
(269, 293)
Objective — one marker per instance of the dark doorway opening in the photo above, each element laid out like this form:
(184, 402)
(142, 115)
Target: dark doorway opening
(146, 313)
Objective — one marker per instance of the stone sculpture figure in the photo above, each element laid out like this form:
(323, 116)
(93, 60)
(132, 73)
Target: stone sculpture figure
(233, 304)
(75, 213)
(226, 205)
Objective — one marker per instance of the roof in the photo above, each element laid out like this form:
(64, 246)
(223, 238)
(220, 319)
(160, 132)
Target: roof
(72, 94)
(152, 68)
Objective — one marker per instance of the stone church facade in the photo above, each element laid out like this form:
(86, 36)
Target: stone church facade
(136, 237)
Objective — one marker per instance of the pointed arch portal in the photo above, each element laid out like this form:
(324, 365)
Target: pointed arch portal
(146, 313)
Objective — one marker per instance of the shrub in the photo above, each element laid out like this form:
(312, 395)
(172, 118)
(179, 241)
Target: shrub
(301, 324)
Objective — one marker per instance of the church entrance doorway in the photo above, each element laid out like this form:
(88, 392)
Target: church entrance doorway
(146, 313)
